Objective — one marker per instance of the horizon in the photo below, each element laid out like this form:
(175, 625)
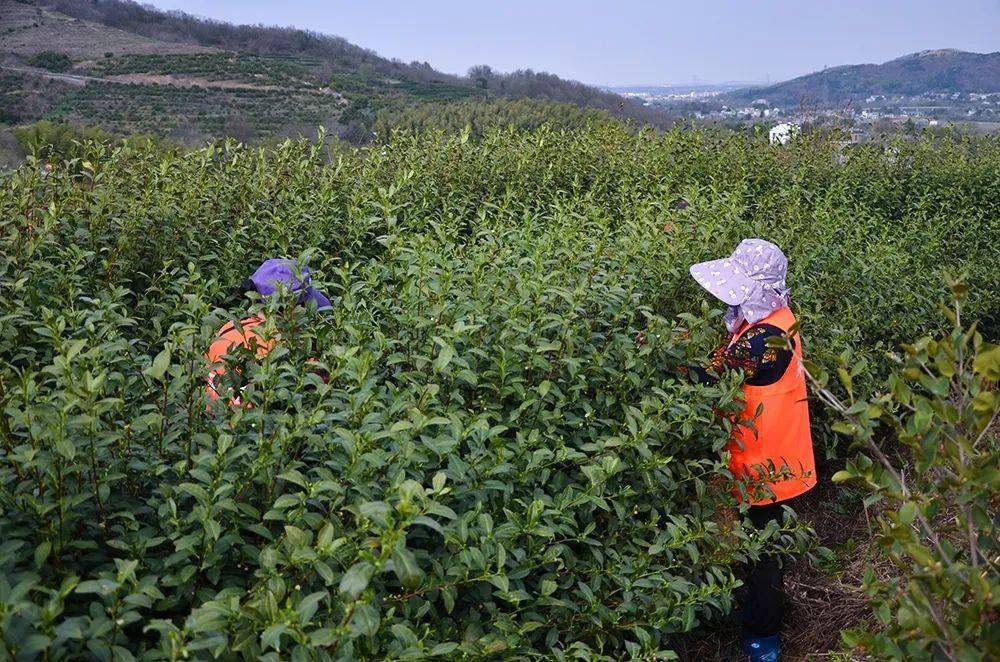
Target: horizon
(634, 43)
(761, 83)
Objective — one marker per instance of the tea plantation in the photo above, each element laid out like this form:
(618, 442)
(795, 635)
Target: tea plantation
(244, 68)
(170, 110)
(501, 459)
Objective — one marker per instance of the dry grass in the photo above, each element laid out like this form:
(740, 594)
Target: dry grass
(824, 602)
(821, 601)
(26, 30)
(187, 80)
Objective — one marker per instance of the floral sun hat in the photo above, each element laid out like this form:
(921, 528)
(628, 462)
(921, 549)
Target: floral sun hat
(751, 281)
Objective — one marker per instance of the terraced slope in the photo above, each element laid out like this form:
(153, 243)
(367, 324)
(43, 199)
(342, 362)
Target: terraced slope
(130, 83)
(129, 67)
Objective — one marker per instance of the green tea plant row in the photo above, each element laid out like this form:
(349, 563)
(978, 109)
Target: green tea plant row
(481, 116)
(501, 459)
(178, 110)
(362, 84)
(939, 479)
(161, 109)
(243, 67)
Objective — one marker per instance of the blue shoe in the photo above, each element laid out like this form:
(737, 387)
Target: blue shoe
(763, 649)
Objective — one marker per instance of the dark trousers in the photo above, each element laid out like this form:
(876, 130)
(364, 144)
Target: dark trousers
(764, 605)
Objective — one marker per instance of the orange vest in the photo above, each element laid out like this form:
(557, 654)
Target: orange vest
(775, 447)
(232, 335)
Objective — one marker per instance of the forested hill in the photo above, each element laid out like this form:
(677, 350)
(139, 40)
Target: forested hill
(129, 67)
(945, 71)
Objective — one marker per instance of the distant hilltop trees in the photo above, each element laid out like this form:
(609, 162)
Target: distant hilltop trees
(479, 116)
(528, 84)
(939, 71)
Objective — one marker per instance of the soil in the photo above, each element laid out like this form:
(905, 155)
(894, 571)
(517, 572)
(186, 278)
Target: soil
(182, 80)
(186, 80)
(821, 605)
(820, 602)
(26, 30)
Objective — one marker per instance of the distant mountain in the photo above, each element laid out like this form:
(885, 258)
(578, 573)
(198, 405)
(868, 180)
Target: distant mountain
(133, 68)
(933, 71)
(697, 88)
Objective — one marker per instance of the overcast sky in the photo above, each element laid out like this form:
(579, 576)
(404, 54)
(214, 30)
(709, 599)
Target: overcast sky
(634, 41)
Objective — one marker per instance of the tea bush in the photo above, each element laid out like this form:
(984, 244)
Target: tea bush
(480, 116)
(244, 67)
(499, 459)
(941, 486)
(165, 110)
(51, 60)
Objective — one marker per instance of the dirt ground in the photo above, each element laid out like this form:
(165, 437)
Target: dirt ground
(187, 80)
(184, 80)
(820, 602)
(26, 30)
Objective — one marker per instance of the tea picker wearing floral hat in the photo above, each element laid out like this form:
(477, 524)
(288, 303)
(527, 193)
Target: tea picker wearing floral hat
(269, 278)
(771, 453)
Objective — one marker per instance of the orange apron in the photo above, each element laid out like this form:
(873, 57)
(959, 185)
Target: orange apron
(230, 336)
(775, 447)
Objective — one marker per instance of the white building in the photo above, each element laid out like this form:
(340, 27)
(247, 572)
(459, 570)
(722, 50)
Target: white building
(782, 134)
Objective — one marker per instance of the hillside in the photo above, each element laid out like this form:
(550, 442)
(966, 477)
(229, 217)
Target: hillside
(185, 31)
(944, 71)
(131, 68)
(27, 29)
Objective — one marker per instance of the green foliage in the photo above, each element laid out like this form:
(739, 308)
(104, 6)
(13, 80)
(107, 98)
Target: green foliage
(51, 60)
(495, 464)
(262, 98)
(59, 141)
(367, 85)
(64, 141)
(481, 116)
(489, 426)
(242, 67)
(198, 112)
(940, 487)
(11, 86)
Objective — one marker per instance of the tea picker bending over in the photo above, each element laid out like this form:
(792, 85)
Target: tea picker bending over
(771, 454)
(267, 281)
